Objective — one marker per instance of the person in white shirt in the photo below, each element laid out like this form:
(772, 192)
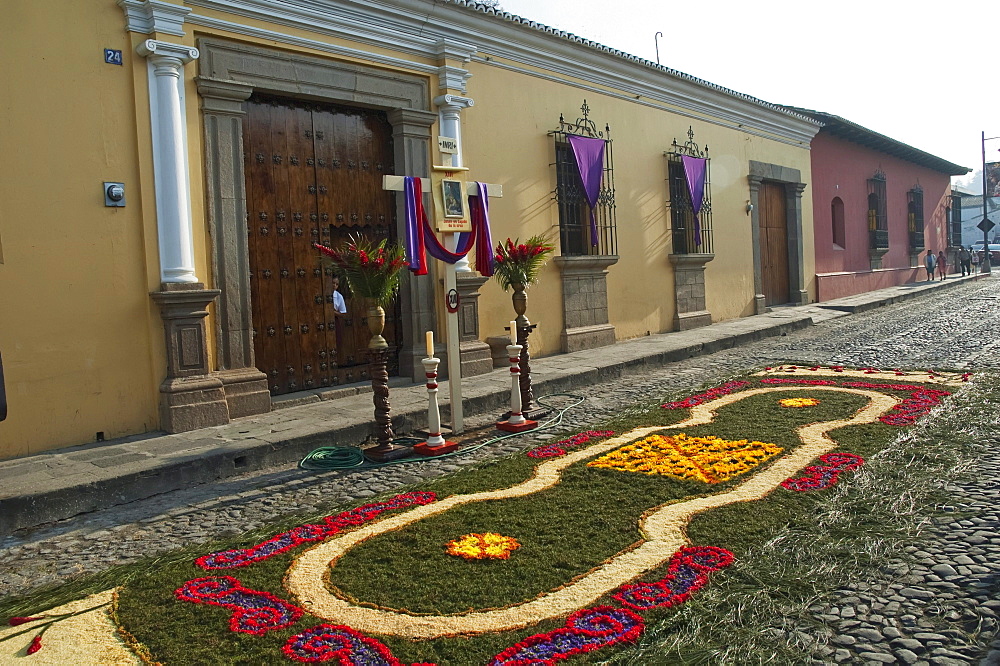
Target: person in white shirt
(339, 305)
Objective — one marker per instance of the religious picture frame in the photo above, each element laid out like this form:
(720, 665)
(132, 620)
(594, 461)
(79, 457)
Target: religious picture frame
(453, 196)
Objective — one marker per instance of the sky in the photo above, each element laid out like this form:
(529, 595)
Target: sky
(911, 71)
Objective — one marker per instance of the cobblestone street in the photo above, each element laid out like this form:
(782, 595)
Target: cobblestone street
(936, 603)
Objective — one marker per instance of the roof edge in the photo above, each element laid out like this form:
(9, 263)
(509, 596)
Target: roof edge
(851, 131)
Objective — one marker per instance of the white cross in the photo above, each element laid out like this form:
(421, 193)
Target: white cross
(396, 184)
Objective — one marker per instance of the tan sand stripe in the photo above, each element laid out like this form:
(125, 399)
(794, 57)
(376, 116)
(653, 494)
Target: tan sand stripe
(943, 378)
(88, 638)
(663, 530)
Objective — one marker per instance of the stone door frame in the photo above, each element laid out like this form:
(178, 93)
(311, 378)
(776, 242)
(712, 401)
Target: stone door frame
(792, 181)
(228, 73)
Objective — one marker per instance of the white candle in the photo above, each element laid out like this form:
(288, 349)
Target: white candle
(430, 344)
(513, 332)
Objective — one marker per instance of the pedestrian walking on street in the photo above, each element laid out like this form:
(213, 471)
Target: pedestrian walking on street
(929, 263)
(942, 264)
(965, 259)
(975, 261)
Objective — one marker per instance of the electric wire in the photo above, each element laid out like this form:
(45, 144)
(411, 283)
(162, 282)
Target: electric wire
(327, 458)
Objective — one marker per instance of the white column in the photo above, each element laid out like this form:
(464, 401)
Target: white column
(450, 115)
(170, 158)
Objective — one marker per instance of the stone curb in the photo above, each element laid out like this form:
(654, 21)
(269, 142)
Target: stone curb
(861, 302)
(60, 484)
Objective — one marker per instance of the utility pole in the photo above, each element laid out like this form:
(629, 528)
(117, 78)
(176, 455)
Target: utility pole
(986, 224)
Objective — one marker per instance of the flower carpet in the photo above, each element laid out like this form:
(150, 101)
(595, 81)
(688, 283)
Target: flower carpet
(569, 551)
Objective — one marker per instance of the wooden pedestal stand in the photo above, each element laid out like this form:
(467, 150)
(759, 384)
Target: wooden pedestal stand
(378, 355)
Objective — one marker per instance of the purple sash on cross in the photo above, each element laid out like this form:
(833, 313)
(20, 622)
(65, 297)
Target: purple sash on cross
(694, 170)
(420, 236)
(589, 155)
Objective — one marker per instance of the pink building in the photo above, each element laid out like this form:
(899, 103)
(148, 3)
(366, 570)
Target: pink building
(878, 206)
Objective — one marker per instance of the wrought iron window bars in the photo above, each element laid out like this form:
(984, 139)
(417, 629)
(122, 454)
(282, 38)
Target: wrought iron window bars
(679, 203)
(915, 218)
(574, 212)
(955, 221)
(878, 230)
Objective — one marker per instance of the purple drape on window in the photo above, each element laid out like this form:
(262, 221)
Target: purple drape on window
(589, 155)
(694, 171)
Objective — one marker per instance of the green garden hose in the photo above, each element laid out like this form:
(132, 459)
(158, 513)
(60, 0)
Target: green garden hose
(327, 458)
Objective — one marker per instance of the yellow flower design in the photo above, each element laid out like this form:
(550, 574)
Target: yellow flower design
(798, 402)
(483, 546)
(709, 459)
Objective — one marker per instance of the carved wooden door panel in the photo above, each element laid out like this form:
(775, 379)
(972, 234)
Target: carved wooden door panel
(313, 174)
(774, 243)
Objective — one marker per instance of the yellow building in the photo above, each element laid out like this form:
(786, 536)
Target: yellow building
(168, 165)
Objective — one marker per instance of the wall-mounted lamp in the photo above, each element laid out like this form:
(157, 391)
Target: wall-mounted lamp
(749, 207)
(114, 195)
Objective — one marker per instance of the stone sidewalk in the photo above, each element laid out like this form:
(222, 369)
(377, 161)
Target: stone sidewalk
(60, 484)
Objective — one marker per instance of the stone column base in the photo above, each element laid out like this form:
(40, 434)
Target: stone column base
(760, 304)
(190, 397)
(476, 358)
(246, 391)
(474, 352)
(190, 403)
(587, 337)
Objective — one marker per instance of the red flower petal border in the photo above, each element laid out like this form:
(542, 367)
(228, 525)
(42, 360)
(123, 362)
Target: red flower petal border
(332, 642)
(559, 448)
(585, 630)
(818, 477)
(710, 394)
(687, 572)
(280, 543)
(254, 612)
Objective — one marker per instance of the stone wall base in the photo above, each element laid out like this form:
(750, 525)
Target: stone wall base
(685, 321)
(190, 403)
(587, 337)
(498, 350)
(476, 358)
(690, 310)
(246, 391)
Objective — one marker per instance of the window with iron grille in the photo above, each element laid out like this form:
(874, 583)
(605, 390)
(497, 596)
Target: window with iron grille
(915, 217)
(570, 197)
(878, 229)
(955, 220)
(681, 210)
(837, 220)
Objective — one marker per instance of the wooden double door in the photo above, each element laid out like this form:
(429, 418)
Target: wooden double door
(313, 175)
(773, 216)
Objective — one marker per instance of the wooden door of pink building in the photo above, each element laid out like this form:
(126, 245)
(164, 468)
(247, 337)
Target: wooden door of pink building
(774, 243)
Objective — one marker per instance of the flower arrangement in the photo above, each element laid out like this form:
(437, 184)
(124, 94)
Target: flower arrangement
(798, 402)
(518, 263)
(483, 546)
(708, 459)
(370, 268)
